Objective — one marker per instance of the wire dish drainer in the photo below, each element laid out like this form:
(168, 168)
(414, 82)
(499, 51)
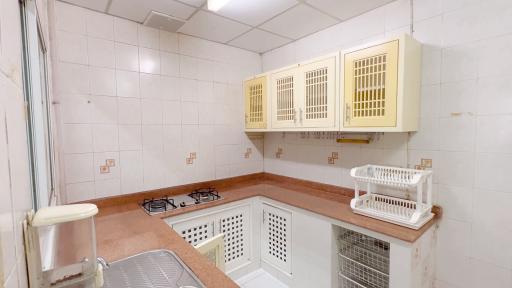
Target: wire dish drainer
(409, 213)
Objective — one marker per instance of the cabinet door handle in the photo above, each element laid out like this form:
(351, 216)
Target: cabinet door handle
(347, 113)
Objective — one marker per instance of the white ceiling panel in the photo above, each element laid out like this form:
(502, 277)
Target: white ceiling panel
(254, 12)
(345, 9)
(298, 22)
(213, 27)
(196, 3)
(98, 5)
(137, 10)
(259, 41)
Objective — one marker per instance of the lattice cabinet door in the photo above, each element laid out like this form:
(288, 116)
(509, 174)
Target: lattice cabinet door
(256, 103)
(195, 231)
(235, 224)
(276, 238)
(284, 94)
(319, 93)
(371, 86)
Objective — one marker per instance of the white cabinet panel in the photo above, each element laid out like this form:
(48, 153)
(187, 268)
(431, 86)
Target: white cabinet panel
(196, 230)
(276, 238)
(311, 251)
(235, 224)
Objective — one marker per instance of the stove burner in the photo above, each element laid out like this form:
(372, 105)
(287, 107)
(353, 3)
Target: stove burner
(204, 195)
(158, 205)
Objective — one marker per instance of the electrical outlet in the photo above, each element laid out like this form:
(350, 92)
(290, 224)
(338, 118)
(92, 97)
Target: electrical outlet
(426, 163)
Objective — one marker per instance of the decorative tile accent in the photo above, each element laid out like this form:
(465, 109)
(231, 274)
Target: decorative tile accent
(191, 157)
(111, 162)
(104, 169)
(331, 159)
(279, 152)
(248, 153)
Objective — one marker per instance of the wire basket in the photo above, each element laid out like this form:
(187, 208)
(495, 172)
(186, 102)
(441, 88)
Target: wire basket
(365, 250)
(409, 213)
(345, 282)
(361, 274)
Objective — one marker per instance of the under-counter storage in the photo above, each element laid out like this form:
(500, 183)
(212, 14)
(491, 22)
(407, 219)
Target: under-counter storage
(234, 223)
(363, 260)
(381, 86)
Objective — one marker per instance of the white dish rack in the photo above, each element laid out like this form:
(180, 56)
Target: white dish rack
(409, 213)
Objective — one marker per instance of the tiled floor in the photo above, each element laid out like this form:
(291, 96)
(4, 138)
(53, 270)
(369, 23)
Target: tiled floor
(259, 279)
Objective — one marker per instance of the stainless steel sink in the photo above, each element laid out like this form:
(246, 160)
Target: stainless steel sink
(158, 268)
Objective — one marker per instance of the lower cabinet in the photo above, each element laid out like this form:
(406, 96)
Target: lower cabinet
(303, 249)
(276, 238)
(234, 222)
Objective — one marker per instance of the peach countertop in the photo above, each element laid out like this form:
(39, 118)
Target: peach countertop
(124, 229)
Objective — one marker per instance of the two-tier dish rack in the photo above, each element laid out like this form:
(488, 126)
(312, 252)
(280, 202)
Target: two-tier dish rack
(412, 213)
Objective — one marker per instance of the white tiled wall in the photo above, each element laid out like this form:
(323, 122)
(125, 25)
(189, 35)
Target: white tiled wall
(465, 127)
(15, 191)
(147, 99)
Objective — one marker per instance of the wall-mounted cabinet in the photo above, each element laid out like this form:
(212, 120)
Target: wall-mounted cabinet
(255, 97)
(371, 88)
(381, 86)
(303, 96)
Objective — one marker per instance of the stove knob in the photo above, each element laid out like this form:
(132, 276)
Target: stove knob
(182, 204)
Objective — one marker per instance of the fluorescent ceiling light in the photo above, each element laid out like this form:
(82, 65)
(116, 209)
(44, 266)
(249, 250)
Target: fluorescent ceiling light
(215, 5)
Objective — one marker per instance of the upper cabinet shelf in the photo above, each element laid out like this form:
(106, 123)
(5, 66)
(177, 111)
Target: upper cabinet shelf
(372, 88)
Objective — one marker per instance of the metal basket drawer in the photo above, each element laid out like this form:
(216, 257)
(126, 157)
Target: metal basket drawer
(361, 274)
(345, 282)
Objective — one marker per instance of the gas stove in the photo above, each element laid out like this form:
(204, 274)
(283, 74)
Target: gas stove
(159, 205)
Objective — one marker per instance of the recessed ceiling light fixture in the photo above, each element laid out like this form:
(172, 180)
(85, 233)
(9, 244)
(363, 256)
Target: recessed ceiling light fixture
(215, 5)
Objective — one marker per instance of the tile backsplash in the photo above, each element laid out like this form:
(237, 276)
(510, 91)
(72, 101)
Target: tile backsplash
(164, 107)
(465, 130)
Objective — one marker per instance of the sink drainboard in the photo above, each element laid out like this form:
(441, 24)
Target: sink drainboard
(159, 268)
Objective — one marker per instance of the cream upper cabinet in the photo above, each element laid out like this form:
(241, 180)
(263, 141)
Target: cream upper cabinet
(255, 94)
(318, 97)
(304, 96)
(285, 102)
(381, 87)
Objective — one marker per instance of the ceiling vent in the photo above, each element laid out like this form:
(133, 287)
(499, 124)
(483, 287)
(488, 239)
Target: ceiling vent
(163, 21)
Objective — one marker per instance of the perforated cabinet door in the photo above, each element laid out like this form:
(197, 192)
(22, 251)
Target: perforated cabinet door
(319, 89)
(371, 83)
(284, 91)
(195, 231)
(256, 103)
(235, 224)
(276, 238)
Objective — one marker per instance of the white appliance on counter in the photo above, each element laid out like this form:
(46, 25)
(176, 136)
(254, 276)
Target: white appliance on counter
(60, 243)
